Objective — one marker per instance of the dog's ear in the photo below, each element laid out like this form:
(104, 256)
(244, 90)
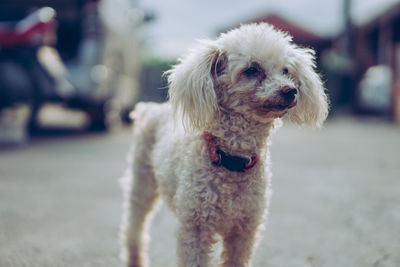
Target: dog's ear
(312, 103)
(191, 86)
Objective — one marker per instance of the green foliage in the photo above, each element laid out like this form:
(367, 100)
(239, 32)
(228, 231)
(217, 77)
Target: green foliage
(158, 63)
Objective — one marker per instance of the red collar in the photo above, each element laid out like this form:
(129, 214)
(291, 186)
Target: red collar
(220, 158)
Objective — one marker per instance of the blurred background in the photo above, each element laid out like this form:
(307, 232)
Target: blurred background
(71, 70)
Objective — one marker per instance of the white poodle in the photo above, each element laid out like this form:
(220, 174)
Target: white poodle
(206, 150)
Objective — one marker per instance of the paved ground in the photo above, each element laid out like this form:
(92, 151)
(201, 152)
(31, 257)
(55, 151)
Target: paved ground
(336, 200)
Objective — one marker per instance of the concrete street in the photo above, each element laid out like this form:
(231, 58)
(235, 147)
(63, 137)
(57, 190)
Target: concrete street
(336, 200)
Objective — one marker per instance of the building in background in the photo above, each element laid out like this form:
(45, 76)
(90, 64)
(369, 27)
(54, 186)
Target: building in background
(377, 60)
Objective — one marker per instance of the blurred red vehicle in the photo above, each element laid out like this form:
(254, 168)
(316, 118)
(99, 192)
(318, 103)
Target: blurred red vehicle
(72, 59)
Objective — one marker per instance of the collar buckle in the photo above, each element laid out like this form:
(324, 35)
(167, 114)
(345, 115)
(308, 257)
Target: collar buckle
(229, 162)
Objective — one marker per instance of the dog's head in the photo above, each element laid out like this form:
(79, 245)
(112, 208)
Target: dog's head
(253, 70)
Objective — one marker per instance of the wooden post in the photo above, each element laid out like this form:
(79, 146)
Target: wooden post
(396, 84)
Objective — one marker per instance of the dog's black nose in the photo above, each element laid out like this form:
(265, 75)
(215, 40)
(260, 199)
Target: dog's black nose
(289, 93)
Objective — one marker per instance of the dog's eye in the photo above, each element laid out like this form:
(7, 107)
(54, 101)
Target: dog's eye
(285, 71)
(251, 71)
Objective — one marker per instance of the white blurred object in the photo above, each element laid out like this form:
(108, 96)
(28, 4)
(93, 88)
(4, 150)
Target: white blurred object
(375, 88)
(121, 16)
(51, 61)
(13, 123)
(122, 51)
(55, 115)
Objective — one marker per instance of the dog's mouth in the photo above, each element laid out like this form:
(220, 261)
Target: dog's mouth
(279, 106)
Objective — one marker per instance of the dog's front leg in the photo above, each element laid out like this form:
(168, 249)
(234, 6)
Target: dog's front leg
(238, 248)
(194, 246)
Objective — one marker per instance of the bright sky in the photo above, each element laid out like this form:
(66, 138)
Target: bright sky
(179, 22)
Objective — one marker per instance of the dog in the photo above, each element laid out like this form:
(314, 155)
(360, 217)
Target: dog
(205, 151)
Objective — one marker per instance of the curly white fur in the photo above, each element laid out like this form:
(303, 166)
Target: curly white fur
(236, 88)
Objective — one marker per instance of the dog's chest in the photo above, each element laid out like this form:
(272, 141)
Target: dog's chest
(238, 202)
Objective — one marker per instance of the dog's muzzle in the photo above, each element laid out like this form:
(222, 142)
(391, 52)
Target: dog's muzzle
(289, 98)
(286, 99)
(288, 94)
